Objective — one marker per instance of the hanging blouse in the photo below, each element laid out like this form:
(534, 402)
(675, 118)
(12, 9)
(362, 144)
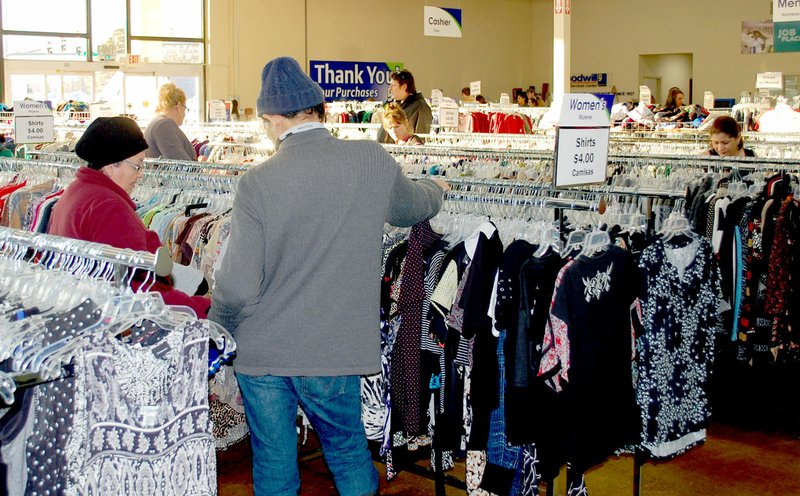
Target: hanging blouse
(141, 417)
(54, 411)
(676, 348)
(589, 343)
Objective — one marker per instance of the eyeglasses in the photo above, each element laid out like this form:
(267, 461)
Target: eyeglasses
(185, 108)
(138, 166)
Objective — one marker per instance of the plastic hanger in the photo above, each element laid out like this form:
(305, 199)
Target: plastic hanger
(596, 241)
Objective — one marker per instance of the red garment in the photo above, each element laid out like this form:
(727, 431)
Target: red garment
(94, 208)
(7, 190)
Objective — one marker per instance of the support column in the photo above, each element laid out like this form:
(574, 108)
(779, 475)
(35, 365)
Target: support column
(562, 13)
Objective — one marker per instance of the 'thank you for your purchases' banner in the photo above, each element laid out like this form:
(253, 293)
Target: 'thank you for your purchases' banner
(359, 81)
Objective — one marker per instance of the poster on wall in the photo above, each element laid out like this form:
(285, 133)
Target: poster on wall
(787, 37)
(757, 37)
(442, 22)
(359, 81)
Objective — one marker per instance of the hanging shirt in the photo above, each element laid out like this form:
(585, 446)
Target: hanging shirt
(589, 342)
(676, 347)
(141, 417)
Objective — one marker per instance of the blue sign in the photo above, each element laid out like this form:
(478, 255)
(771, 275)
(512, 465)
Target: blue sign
(608, 98)
(359, 81)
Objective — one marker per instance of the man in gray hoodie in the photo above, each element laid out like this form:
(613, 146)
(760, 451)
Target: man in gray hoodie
(299, 286)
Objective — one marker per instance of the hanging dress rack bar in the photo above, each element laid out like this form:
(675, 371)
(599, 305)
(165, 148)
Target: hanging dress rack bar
(155, 164)
(158, 262)
(21, 164)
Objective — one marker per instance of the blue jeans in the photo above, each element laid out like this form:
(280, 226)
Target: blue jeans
(333, 405)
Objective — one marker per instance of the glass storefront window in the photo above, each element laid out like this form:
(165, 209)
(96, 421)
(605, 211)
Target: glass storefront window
(172, 19)
(168, 52)
(191, 86)
(77, 87)
(53, 88)
(108, 29)
(23, 47)
(109, 89)
(27, 86)
(45, 16)
(141, 95)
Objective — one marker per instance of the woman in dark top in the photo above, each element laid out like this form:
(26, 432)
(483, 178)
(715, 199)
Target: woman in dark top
(726, 139)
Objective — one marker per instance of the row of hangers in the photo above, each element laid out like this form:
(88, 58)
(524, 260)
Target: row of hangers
(57, 274)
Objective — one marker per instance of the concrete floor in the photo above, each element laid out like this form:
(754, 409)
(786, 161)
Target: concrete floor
(732, 462)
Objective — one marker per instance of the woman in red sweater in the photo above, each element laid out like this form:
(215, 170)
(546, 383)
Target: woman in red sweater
(97, 205)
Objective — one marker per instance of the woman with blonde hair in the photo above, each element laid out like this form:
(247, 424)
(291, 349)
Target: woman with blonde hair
(396, 125)
(163, 134)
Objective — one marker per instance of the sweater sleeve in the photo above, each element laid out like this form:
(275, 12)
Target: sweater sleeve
(169, 140)
(413, 202)
(240, 280)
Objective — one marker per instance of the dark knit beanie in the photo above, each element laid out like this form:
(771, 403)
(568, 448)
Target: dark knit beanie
(285, 88)
(110, 139)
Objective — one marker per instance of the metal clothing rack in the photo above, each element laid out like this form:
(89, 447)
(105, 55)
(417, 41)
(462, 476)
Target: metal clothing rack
(121, 258)
(159, 164)
(492, 191)
(22, 164)
(41, 248)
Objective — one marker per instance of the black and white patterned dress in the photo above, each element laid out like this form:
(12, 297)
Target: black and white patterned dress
(676, 347)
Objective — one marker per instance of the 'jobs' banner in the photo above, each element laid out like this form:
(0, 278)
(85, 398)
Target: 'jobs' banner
(359, 81)
(787, 36)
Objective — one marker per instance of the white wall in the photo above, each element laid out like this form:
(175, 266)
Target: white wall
(609, 35)
(674, 69)
(505, 44)
(501, 45)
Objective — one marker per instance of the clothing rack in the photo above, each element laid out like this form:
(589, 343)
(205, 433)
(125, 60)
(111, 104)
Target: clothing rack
(15, 243)
(158, 164)
(440, 478)
(20, 164)
(122, 259)
(494, 192)
(68, 157)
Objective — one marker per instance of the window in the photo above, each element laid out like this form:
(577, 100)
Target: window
(62, 50)
(24, 47)
(45, 16)
(168, 52)
(161, 31)
(167, 18)
(109, 41)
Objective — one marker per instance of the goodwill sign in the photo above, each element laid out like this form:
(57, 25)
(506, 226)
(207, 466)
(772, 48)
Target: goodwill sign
(442, 22)
(353, 80)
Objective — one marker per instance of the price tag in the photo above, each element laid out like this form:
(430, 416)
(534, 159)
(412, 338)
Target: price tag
(216, 111)
(769, 80)
(644, 95)
(436, 97)
(33, 122)
(582, 141)
(448, 117)
(708, 100)
(475, 88)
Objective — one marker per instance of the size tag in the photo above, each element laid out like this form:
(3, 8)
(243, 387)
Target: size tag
(149, 415)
